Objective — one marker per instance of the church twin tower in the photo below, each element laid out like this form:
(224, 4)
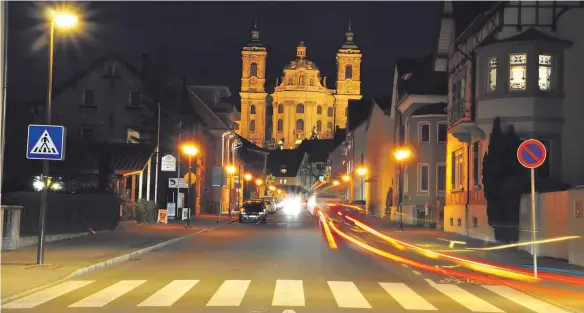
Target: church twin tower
(301, 106)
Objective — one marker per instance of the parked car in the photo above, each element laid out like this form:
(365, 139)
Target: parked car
(253, 211)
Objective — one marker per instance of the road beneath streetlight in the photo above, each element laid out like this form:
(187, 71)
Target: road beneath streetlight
(285, 264)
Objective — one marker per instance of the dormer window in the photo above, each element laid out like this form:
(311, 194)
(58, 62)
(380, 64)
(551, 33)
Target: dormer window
(518, 71)
(110, 70)
(544, 72)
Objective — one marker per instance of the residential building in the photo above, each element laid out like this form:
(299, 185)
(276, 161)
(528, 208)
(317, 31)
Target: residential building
(419, 116)
(301, 105)
(521, 62)
(285, 166)
(356, 148)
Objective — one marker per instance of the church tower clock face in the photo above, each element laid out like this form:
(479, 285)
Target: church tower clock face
(254, 80)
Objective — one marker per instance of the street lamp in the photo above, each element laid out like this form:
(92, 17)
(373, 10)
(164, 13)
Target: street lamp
(62, 20)
(346, 178)
(335, 183)
(362, 172)
(258, 182)
(190, 150)
(401, 155)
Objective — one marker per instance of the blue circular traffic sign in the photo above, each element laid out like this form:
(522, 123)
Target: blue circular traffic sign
(531, 153)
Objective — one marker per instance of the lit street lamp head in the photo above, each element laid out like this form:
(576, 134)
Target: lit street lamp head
(361, 171)
(346, 178)
(259, 182)
(190, 150)
(247, 176)
(63, 19)
(402, 154)
(336, 182)
(231, 169)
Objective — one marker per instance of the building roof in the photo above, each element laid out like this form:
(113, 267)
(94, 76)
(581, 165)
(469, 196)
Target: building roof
(531, 34)
(465, 13)
(431, 109)
(417, 76)
(359, 111)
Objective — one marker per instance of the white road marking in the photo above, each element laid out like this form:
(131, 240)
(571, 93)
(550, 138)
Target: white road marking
(416, 272)
(108, 294)
(524, 300)
(466, 298)
(347, 295)
(43, 296)
(404, 265)
(406, 297)
(230, 293)
(170, 293)
(288, 293)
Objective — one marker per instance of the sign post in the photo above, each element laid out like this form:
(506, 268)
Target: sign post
(531, 154)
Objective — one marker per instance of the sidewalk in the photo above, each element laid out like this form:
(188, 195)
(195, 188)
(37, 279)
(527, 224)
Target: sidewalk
(62, 258)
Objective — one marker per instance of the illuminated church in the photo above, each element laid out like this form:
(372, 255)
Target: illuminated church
(301, 106)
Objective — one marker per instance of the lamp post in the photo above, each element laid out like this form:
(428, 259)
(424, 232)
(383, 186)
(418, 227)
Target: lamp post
(231, 171)
(346, 178)
(62, 20)
(247, 178)
(401, 155)
(190, 150)
(258, 182)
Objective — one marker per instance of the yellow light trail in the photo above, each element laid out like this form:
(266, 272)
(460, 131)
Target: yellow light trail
(327, 231)
(527, 243)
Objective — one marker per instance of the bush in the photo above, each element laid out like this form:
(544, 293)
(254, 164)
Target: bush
(146, 211)
(128, 207)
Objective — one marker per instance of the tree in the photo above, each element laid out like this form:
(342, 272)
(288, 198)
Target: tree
(504, 180)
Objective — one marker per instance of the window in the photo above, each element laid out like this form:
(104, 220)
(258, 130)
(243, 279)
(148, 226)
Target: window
(253, 70)
(492, 74)
(459, 222)
(329, 127)
(579, 208)
(132, 136)
(299, 125)
(441, 178)
(545, 72)
(319, 109)
(319, 126)
(280, 125)
(300, 108)
(134, 99)
(348, 72)
(475, 222)
(89, 97)
(252, 126)
(110, 70)
(252, 109)
(451, 221)
(406, 180)
(476, 163)
(457, 169)
(423, 177)
(87, 133)
(280, 108)
(518, 71)
(442, 131)
(329, 111)
(424, 132)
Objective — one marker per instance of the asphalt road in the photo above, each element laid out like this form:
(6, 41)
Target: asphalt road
(285, 264)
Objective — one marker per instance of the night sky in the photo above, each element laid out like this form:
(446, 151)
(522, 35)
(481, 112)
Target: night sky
(204, 39)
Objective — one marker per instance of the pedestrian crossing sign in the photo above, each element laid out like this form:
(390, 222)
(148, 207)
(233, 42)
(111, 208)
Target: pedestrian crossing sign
(45, 142)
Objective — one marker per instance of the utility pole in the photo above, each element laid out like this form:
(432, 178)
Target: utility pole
(3, 82)
(157, 158)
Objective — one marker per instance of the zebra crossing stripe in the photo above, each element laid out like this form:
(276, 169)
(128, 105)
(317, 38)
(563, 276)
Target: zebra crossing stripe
(347, 295)
(43, 296)
(170, 293)
(406, 297)
(522, 299)
(466, 298)
(288, 293)
(108, 294)
(230, 293)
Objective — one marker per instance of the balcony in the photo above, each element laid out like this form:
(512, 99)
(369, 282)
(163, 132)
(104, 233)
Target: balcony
(458, 112)
(460, 123)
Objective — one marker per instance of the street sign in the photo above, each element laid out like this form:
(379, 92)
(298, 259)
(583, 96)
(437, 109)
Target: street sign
(45, 142)
(190, 178)
(217, 178)
(177, 183)
(531, 153)
(168, 163)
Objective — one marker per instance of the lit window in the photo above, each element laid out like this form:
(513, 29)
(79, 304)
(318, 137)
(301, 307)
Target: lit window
(423, 177)
(545, 72)
(457, 169)
(132, 136)
(252, 109)
(492, 74)
(518, 71)
(424, 132)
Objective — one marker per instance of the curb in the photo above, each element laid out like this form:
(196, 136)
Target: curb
(107, 263)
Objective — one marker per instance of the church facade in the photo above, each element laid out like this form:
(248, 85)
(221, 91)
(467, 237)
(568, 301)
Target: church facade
(301, 105)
